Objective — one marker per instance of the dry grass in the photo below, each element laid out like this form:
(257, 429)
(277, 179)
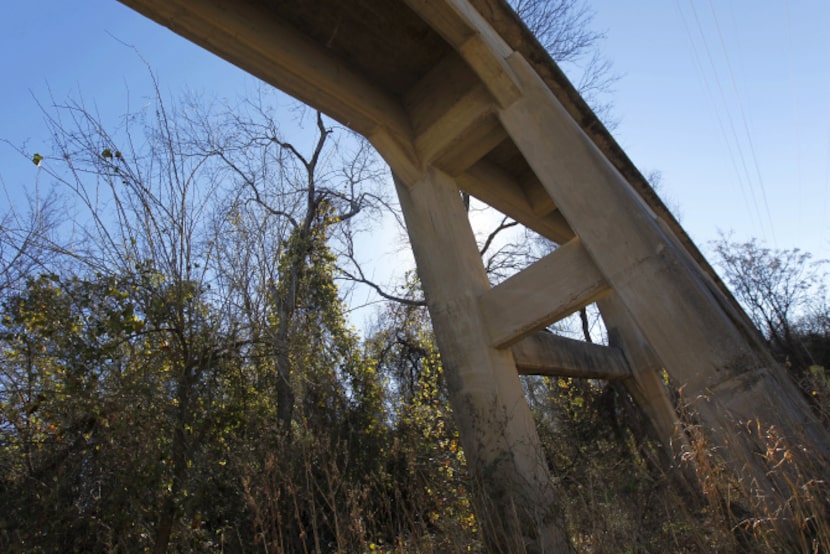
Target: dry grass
(616, 496)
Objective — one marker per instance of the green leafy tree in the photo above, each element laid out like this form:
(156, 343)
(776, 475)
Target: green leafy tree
(69, 394)
(428, 488)
(142, 214)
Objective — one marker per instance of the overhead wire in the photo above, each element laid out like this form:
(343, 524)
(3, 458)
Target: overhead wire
(788, 30)
(826, 176)
(733, 135)
(729, 132)
(826, 191)
(740, 104)
(699, 65)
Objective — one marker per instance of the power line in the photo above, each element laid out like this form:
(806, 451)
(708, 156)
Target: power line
(740, 104)
(727, 128)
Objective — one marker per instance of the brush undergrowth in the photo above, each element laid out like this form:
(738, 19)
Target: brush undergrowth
(616, 491)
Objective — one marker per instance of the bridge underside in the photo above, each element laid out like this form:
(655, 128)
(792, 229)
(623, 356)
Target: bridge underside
(458, 95)
(378, 67)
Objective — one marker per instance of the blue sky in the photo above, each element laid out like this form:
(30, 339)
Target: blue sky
(728, 100)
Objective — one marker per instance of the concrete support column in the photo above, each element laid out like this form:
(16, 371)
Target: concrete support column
(516, 503)
(726, 378)
(645, 385)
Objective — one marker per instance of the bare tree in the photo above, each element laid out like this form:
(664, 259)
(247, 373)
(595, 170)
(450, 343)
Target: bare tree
(139, 200)
(565, 29)
(777, 288)
(26, 241)
(287, 197)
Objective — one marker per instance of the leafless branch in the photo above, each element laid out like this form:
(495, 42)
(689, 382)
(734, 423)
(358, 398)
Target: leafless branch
(506, 223)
